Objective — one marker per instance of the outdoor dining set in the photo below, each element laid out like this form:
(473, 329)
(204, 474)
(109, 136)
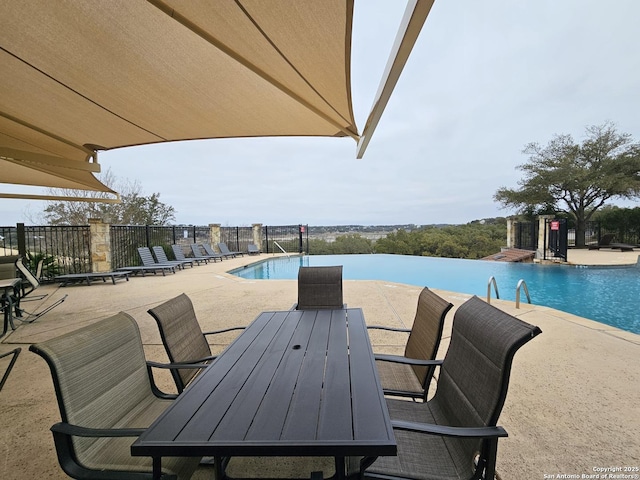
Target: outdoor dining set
(302, 383)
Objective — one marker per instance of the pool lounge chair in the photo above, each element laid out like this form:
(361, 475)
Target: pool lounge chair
(161, 257)
(197, 253)
(252, 249)
(225, 250)
(148, 261)
(135, 269)
(606, 242)
(210, 251)
(106, 397)
(179, 254)
(398, 375)
(455, 434)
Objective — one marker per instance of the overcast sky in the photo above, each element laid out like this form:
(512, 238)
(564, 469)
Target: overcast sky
(484, 79)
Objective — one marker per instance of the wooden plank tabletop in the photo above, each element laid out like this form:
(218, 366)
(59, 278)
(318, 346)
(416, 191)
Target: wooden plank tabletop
(294, 383)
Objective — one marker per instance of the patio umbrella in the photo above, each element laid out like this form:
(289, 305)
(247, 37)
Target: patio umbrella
(78, 77)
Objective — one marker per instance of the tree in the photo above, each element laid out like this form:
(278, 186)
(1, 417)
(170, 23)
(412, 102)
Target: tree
(135, 209)
(577, 178)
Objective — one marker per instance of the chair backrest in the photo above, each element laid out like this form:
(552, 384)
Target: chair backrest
(197, 252)
(320, 288)
(8, 270)
(146, 257)
(252, 248)
(181, 335)
(27, 275)
(209, 249)
(100, 376)
(223, 247)
(426, 332)
(474, 376)
(606, 239)
(178, 252)
(160, 254)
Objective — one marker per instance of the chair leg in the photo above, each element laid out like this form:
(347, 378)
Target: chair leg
(32, 317)
(15, 353)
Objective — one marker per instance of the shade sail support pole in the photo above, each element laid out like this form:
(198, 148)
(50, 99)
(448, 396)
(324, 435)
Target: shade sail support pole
(414, 17)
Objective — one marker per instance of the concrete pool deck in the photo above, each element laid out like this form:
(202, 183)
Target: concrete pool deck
(573, 402)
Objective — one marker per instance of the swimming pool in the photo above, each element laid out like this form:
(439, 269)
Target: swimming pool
(609, 295)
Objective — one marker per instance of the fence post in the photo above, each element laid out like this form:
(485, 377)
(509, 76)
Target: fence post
(215, 233)
(100, 244)
(542, 244)
(257, 235)
(300, 232)
(22, 239)
(511, 232)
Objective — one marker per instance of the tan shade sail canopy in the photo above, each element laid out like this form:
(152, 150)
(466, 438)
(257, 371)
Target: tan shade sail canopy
(77, 77)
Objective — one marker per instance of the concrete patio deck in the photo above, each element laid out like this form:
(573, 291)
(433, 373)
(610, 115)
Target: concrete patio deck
(573, 404)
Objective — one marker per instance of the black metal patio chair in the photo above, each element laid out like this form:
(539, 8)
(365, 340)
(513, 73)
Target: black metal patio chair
(183, 338)
(30, 283)
(455, 435)
(106, 398)
(14, 357)
(399, 375)
(320, 288)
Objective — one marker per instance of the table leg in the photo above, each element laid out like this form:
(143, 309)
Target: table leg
(157, 468)
(219, 468)
(341, 467)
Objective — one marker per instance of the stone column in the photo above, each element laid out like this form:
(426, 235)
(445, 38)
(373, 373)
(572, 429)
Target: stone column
(100, 239)
(257, 235)
(511, 232)
(214, 229)
(541, 237)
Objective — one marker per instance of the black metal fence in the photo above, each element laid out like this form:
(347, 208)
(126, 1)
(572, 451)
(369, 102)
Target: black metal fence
(526, 235)
(289, 239)
(237, 238)
(67, 249)
(556, 236)
(64, 249)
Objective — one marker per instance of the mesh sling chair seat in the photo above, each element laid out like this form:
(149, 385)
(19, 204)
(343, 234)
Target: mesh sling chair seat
(320, 288)
(106, 398)
(398, 375)
(183, 339)
(454, 434)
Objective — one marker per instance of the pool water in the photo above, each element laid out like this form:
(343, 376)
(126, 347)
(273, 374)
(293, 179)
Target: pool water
(609, 295)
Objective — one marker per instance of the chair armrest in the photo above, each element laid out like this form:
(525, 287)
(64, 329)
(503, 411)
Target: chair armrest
(214, 332)
(181, 365)
(78, 431)
(390, 329)
(171, 366)
(447, 431)
(406, 360)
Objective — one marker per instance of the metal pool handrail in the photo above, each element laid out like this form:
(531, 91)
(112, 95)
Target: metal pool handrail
(522, 283)
(283, 250)
(492, 280)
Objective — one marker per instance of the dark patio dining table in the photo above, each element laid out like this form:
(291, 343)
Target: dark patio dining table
(294, 383)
